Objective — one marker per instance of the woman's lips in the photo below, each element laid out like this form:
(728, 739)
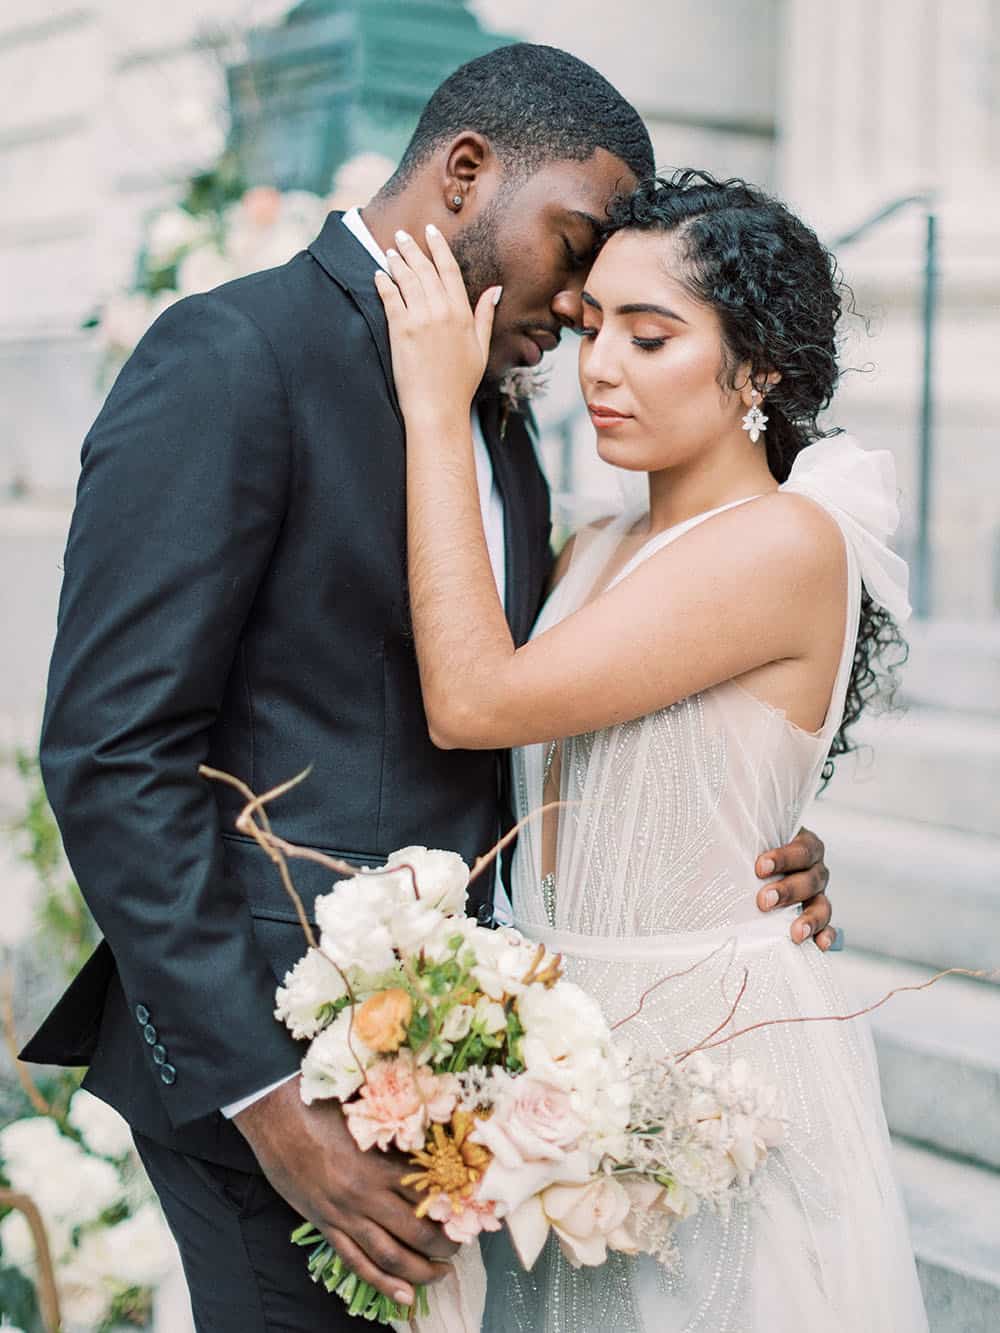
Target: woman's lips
(605, 417)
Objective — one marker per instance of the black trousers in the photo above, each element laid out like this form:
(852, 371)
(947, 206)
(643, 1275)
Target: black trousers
(232, 1229)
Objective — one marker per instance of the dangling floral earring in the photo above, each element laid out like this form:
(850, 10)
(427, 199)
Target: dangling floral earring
(755, 422)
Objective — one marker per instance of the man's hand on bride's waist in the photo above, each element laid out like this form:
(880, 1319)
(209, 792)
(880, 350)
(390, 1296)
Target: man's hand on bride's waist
(803, 877)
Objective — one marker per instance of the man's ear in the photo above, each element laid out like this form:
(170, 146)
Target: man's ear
(468, 158)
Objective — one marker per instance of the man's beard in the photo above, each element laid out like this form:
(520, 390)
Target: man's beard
(477, 255)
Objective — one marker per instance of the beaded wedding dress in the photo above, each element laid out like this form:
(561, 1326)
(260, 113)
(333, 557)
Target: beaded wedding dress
(653, 872)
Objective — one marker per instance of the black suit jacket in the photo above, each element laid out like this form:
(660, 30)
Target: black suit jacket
(235, 593)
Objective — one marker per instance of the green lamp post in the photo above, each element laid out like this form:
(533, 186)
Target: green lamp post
(339, 77)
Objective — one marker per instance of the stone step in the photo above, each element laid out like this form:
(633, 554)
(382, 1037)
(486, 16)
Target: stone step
(912, 891)
(954, 1211)
(926, 765)
(938, 1053)
(953, 665)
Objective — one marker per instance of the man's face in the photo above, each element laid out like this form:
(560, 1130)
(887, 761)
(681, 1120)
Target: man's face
(539, 241)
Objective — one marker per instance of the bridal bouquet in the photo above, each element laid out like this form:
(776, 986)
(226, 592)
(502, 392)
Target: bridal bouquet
(468, 1050)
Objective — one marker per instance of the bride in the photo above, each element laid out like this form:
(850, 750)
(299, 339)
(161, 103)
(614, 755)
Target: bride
(691, 675)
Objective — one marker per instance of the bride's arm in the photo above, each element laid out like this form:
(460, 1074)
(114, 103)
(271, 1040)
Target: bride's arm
(749, 587)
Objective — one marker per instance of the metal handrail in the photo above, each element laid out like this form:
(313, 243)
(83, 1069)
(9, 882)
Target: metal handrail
(925, 438)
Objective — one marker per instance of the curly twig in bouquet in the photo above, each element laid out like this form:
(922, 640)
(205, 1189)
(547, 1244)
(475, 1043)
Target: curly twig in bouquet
(468, 1050)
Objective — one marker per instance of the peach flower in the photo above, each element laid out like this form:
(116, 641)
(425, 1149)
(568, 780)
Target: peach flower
(463, 1219)
(397, 1103)
(381, 1021)
(262, 205)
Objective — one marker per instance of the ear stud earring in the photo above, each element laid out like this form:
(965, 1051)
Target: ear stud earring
(456, 201)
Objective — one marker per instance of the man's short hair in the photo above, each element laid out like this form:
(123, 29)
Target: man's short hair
(535, 104)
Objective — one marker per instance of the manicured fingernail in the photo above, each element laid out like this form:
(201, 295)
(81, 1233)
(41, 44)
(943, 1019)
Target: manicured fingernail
(771, 899)
(767, 866)
(402, 237)
(432, 230)
(805, 930)
(497, 293)
(392, 254)
(402, 1297)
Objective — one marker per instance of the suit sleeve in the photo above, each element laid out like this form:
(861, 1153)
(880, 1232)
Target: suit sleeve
(183, 489)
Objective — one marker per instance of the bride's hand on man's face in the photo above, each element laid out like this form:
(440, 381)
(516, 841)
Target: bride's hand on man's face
(439, 346)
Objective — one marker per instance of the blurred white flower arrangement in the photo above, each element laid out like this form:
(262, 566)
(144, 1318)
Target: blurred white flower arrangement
(218, 233)
(108, 1242)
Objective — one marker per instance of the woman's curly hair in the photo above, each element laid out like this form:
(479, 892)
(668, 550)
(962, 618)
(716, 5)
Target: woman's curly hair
(779, 297)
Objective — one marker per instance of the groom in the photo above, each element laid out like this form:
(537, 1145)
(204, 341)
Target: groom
(235, 593)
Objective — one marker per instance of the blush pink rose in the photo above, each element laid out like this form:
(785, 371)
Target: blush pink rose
(533, 1122)
(397, 1103)
(585, 1217)
(465, 1219)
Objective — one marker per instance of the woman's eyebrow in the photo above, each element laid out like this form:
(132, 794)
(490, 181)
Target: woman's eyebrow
(646, 308)
(635, 308)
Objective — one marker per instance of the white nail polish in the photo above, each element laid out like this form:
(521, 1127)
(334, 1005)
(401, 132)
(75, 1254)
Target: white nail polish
(391, 254)
(402, 237)
(497, 295)
(432, 230)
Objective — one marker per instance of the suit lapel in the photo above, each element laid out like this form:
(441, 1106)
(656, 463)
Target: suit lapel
(517, 556)
(350, 265)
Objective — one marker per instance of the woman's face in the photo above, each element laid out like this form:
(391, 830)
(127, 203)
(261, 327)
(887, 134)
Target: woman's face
(651, 358)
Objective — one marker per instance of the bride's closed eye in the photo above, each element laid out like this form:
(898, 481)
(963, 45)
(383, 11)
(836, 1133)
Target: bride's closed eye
(646, 344)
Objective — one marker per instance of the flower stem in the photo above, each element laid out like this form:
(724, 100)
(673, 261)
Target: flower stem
(361, 1298)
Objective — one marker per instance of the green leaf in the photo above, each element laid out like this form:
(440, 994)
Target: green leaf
(18, 1301)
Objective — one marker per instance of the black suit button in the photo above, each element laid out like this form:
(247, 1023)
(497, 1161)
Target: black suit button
(149, 1032)
(141, 1015)
(159, 1054)
(169, 1074)
(484, 914)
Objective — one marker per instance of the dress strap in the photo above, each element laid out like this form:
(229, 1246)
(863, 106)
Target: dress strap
(669, 535)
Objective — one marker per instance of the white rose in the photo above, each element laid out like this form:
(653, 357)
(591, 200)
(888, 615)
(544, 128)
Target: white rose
(203, 269)
(334, 1067)
(359, 179)
(139, 1251)
(65, 1183)
(562, 1019)
(103, 1130)
(16, 1241)
(442, 877)
(354, 920)
(87, 1191)
(440, 943)
(457, 1023)
(414, 924)
(172, 231)
(30, 1139)
(503, 959)
(84, 1292)
(490, 1016)
(311, 984)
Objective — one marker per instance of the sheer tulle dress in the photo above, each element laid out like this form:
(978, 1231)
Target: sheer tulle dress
(653, 871)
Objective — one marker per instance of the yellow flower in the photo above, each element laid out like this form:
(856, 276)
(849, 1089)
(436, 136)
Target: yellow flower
(381, 1021)
(451, 1164)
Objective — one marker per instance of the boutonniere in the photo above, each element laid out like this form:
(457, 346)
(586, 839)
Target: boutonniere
(519, 387)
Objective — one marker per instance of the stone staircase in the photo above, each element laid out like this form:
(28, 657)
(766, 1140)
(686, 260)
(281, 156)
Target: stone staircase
(913, 832)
